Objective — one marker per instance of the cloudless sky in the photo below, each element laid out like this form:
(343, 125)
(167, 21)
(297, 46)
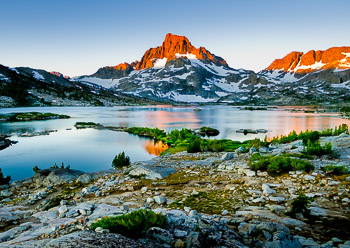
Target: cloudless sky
(76, 37)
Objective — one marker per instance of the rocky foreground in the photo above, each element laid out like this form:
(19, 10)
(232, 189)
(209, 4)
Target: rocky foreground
(209, 199)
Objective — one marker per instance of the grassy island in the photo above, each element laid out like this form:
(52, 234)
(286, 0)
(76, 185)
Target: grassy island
(32, 116)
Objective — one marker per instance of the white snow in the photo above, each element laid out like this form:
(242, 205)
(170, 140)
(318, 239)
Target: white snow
(158, 63)
(347, 55)
(106, 83)
(226, 86)
(217, 70)
(315, 66)
(14, 69)
(342, 85)
(187, 55)
(187, 98)
(38, 76)
(184, 76)
(220, 93)
(345, 62)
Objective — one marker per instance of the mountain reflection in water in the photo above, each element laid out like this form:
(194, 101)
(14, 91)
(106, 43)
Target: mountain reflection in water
(155, 147)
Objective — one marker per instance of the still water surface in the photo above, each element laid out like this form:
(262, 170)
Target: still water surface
(93, 150)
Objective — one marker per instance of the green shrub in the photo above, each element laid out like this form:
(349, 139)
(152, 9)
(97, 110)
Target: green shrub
(276, 165)
(208, 131)
(302, 165)
(121, 160)
(36, 169)
(4, 180)
(194, 146)
(132, 225)
(315, 148)
(335, 170)
(279, 165)
(300, 204)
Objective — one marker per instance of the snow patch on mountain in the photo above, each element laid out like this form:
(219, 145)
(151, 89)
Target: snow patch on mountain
(315, 66)
(186, 98)
(158, 63)
(187, 55)
(106, 83)
(38, 76)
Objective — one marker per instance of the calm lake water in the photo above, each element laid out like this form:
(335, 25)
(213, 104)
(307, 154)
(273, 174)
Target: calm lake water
(93, 150)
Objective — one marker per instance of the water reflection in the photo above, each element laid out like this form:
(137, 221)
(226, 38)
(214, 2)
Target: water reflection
(92, 150)
(155, 147)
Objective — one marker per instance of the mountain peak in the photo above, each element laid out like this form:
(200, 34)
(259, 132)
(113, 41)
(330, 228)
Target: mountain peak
(175, 46)
(299, 62)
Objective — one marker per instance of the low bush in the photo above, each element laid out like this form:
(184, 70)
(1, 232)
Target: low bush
(313, 136)
(194, 146)
(315, 148)
(4, 180)
(132, 225)
(36, 169)
(208, 131)
(300, 204)
(121, 160)
(277, 165)
(335, 170)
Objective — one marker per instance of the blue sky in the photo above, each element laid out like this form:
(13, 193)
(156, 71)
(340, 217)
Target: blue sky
(76, 37)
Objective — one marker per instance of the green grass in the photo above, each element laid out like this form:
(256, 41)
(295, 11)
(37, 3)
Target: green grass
(32, 116)
(335, 170)
(277, 165)
(213, 202)
(88, 124)
(132, 225)
(313, 136)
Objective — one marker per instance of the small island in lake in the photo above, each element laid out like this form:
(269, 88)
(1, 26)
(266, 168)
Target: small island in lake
(31, 116)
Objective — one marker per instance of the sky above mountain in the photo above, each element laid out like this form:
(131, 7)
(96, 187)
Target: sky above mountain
(78, 37)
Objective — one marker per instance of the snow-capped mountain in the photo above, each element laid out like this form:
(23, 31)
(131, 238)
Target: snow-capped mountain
(179, 72)
(316, 76)
(23, 86)
(175, 71)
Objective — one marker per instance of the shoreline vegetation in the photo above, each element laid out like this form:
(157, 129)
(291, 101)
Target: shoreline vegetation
(31, 116)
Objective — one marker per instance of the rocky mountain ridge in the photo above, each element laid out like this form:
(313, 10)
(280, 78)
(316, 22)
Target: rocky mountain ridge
(299, 62)
(23, 86)
(176, 71)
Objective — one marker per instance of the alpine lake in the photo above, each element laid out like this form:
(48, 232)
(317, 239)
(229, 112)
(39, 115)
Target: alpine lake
(93, 150)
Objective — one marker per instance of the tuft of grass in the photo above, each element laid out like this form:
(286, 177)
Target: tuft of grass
(212, 202)
(132, 225)
(335, 170)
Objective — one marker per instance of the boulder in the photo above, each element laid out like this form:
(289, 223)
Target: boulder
(227, 156)
(267, 190)
(151, 172)
(84, 179)
(160, 199)
(283, 239)
(160, 234)
(54, 176)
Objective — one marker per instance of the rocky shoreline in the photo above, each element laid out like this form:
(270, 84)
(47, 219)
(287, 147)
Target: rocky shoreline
(209, 199)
